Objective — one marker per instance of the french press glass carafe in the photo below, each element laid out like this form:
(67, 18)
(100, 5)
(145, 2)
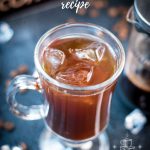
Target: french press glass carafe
(136, 78)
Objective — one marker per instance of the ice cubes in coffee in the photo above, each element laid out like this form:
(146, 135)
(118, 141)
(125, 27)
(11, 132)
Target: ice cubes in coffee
(78, 61)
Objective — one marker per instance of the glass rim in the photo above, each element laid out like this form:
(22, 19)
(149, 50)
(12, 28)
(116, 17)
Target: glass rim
(101, 85)
(139, 13)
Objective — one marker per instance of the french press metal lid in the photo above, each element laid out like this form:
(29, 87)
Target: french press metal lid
(141, 12)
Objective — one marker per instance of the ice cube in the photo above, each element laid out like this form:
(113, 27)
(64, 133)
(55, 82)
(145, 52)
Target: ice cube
(53, 59)
(5, 147)
(100, 52)
(135, 121)
(94, 52)
(16, 148)
(78, 74)
(94, 45)
(88, 54)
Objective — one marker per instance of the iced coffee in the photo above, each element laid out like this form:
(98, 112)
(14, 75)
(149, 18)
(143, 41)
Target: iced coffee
(78, 61)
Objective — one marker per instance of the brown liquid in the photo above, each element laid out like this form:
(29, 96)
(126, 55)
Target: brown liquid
(138, 96)
(136, 80)
(79, 62)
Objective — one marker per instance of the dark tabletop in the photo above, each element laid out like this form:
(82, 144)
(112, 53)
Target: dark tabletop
(28, 25)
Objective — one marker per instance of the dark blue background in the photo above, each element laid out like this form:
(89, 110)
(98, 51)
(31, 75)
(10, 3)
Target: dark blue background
(28, 25)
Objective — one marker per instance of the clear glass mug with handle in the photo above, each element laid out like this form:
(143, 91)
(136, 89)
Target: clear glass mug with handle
(75, 115)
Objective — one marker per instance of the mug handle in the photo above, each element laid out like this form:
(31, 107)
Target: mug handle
(130, 16)
(33, 112)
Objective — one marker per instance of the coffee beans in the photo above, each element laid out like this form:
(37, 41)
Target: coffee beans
(7, 83)
(113, 12)
(1, 124)
(82, 11)
(20, 70)
(23, 146)
(71, 20)
(8, 126)
(13, 73)
(93, 13)
(99, 4)
(122, 29)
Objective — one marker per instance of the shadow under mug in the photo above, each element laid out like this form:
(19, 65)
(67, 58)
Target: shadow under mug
(73, 113)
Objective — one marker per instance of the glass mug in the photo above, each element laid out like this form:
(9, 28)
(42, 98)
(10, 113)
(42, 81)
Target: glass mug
(74, 114)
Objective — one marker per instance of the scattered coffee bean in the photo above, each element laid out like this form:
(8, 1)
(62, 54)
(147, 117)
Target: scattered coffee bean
(94, 13)
(123, 34)
(1, 124)
(7, 82)
(22, 69)
(99, 4)
(28, 2)
(23, 146)
(82, 11)
(71, 20)
(113, 12)
(8, 126)
(13, 73)
(119, 25)
(123, 10)
(121, 28)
